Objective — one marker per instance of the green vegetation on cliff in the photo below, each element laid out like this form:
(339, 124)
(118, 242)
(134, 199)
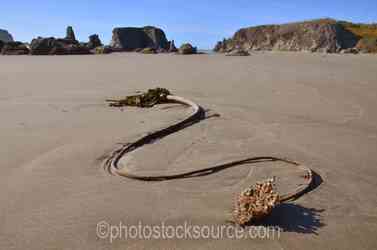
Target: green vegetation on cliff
(362, 30)
(367, 34)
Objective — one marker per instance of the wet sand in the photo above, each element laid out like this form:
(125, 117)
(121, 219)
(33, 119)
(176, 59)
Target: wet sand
(56, 129)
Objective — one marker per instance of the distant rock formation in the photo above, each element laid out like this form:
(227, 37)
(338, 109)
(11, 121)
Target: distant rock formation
(323, 35)
(187, 49)
(58, 46)
(10, 47)
(54, 46)
(94, 42)
(42, 46)
(14, 48)
(5, 36)
(70, 34)
(130, 39)
(172, 48)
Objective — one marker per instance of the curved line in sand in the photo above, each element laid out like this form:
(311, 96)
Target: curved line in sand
(197, 114)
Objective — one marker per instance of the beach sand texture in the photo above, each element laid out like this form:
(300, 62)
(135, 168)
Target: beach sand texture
(56, 129)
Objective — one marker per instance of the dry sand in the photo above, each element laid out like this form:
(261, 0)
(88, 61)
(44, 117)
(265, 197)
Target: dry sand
(313, 108)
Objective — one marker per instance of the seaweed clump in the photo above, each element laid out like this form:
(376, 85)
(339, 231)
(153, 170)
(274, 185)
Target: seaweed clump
(255, 202)
(148, 51)
(144, 100)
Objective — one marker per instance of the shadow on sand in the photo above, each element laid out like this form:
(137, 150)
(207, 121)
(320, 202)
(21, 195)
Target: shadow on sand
(292, 217)
(295, 218)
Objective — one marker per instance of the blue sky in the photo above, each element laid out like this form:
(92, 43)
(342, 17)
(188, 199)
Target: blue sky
(199, 22)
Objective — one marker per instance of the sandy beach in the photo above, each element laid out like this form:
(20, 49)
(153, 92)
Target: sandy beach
(56, 129)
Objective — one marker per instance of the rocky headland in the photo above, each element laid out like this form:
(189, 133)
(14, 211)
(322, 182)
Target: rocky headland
(322, 35)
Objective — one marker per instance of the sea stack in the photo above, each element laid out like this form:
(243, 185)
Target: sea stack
(187, 49)
(94, 42)
(172, 47)
(57, 46)
(14, 48)
(131, 38)
(70, 34)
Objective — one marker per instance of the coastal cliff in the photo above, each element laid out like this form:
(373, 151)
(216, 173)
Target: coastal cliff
(322, 35)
